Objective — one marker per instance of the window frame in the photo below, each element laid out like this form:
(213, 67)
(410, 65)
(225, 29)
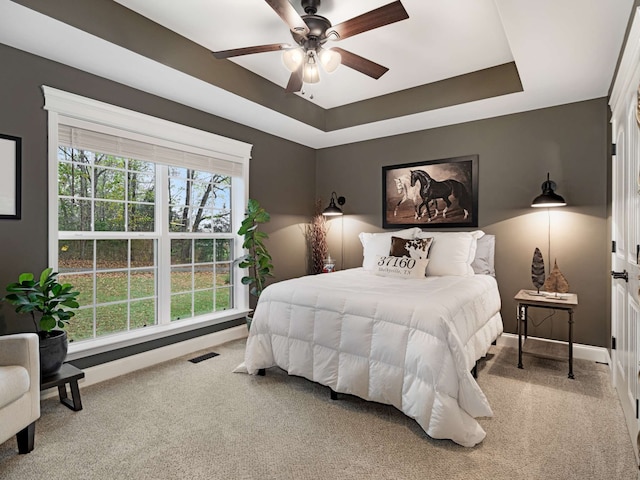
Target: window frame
(73, 110)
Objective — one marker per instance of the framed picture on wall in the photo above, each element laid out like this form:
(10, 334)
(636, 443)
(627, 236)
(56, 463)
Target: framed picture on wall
(10, 168)
(431, 194)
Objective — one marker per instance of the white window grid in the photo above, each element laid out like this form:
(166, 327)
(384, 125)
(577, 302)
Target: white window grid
(75, 111)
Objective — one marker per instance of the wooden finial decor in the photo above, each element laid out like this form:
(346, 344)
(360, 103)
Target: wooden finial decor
(556, 282)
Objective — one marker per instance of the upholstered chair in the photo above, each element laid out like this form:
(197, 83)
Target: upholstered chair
(19, 388)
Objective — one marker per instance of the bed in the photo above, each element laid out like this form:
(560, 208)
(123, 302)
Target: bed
(407, 340)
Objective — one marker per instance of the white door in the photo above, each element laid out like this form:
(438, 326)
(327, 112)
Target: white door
(624, 305)
(625, 232)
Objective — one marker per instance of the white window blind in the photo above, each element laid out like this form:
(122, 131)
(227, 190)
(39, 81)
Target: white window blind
(83, 139)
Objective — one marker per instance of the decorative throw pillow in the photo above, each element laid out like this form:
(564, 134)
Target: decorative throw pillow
(379, 244)
(400, 267)
(417, 248)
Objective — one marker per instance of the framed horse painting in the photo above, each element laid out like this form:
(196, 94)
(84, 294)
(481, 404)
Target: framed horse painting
(431, 194)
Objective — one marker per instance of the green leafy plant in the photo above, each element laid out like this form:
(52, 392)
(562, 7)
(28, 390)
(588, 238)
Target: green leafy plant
(257, 260)
(45, 296)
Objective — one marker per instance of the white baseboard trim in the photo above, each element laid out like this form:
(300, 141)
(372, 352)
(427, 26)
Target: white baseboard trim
(122, 366)
(583, 352)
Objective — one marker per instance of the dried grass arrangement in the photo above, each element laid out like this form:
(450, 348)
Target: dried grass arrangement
(317, 240)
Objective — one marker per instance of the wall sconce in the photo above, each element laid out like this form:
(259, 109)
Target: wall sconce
(333, 210)
(548, 197)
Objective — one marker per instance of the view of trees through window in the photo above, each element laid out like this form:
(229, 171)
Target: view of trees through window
(199, 201)
(111, 232)
(104, 193)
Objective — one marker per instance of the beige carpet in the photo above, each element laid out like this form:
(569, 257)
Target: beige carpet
(181, 420)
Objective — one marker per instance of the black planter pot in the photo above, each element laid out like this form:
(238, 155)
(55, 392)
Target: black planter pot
(53, 351)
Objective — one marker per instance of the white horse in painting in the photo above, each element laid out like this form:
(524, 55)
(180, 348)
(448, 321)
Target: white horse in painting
(403, 184)
(408, 192)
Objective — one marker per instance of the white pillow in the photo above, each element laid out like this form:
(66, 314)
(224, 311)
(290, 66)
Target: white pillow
(374, 244)
(452, 253)
(483, 263)
(400, 267)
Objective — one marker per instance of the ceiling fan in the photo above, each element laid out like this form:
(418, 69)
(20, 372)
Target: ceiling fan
(310, 32)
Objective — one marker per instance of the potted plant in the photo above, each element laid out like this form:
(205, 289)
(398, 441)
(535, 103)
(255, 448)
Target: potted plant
(257, 259)
(52, 301)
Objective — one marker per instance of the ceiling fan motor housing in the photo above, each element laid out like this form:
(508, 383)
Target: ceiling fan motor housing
(310, 6)
(318, 27)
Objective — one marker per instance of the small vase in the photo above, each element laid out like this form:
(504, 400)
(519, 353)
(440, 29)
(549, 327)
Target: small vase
(329, 265)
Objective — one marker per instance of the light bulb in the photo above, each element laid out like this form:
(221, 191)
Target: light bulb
(310, 73)
(330, 60)
(293, 58)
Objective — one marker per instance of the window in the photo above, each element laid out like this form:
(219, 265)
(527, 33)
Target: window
(143, 215)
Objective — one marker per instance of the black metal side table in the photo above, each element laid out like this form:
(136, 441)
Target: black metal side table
(527, 299)
(67, 374)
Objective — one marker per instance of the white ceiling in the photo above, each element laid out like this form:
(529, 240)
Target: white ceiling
(565, 51)
(440, 39)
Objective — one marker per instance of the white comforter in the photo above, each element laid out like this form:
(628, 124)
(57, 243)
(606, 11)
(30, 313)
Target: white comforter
(407, 343)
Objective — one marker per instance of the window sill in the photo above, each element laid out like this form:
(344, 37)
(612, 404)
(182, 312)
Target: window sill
(87, 348)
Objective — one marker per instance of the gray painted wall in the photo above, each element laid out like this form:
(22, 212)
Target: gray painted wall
(282, 173)
(516, 152)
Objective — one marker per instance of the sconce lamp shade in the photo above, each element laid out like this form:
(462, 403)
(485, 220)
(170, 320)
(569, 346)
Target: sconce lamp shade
(548, 198)
(333, 209)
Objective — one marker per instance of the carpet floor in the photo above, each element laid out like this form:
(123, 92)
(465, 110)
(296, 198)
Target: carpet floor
(180, 420)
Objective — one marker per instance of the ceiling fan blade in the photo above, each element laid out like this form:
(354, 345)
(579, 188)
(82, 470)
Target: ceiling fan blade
(391, 13)
(295, 81)
(361, 64)
(236, 52)
(287, 13)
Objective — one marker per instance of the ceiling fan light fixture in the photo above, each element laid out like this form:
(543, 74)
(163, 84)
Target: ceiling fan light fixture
(330, 60)
(310, 72)
(310, 32)
(293, 58)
